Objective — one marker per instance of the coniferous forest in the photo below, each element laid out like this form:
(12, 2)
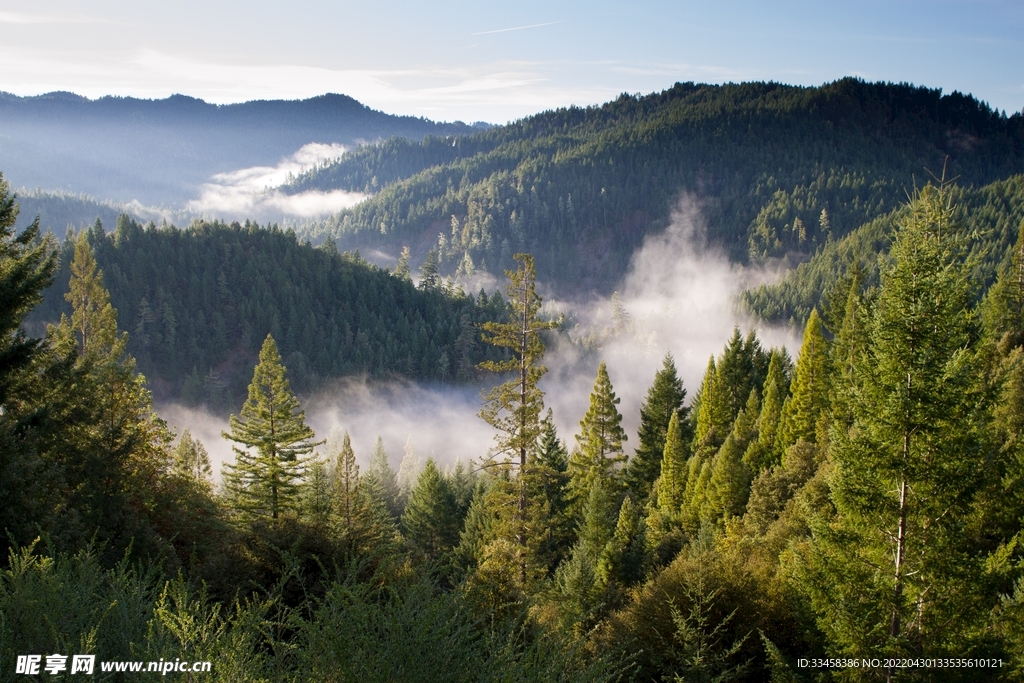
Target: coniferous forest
(857, 499)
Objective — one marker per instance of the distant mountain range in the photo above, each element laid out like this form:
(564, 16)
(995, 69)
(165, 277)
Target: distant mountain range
(159, 152)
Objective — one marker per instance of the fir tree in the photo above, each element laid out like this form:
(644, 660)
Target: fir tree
(811, 386)
(265, 483)
(893, 572)
(765, 451)
(346, 484)
(624, 559)
(380, 470)
(672, 484)
(431, 518)
(664, 400)
(190, 459)
(599, 443)
(408, 471)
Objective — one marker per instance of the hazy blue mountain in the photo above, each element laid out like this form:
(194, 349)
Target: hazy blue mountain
(160, 151)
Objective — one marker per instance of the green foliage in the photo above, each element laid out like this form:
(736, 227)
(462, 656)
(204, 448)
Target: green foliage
(672, 484)
(431, 520)
(893, 571)
(199, 301)
(663, 402)
(599, 443)
(266, 483)
(810, 391)
(785, 169)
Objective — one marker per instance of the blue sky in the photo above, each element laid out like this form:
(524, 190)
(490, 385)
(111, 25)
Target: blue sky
(500, 61)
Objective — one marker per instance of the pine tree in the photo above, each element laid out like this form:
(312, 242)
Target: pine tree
(810, 395)
(893, 572)
(408, 471)
(380, 471)
(190, 459)
(431, 520)
(599, 443)
(513, 408)
(265, 483)
(346, 484)
(672, 484)
(664, 400)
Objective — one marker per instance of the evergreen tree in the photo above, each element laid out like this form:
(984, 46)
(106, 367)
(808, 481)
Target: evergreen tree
(429, 279)
(408, 471)
(811, 387)
(190, 459)
(712, 411)
(346, 484)
(599, 443)
(623, 560)
(672, 484)
(547, 481)
(316, 499)
(402, 269)
(765, 451)
(93, 319)
(893, 572)
(380, 470)
(582, 595)
(431, 520)
(26, 269)
(513, 408)
(265, 483)
(664, 400)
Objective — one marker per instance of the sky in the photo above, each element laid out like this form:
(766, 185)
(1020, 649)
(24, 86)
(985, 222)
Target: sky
(496, 62)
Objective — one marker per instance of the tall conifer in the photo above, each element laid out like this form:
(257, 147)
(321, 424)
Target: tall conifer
(271, 428)
(599, 443)
(664, 400)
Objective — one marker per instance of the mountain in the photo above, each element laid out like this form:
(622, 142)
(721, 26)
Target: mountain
(160, 151)
(993, 214)
(198, 303)
(778, 170)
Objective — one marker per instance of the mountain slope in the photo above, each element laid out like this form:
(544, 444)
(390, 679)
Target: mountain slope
(995, 213)
(580, 188)
(197, 304)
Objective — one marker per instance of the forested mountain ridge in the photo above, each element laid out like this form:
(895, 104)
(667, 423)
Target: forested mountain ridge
(159, 151)
(198, 302)
(994, 213)
(778, 169)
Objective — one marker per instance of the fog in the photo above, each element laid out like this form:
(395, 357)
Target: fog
(678, 296)
(254, 192)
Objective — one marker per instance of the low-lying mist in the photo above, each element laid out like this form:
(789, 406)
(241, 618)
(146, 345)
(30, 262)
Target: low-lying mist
(678, 297)
(253, 192)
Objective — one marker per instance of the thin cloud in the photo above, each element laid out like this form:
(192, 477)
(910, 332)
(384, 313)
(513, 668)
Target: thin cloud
(517, 28)
(22, 18)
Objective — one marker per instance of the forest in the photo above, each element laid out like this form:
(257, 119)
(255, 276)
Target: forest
(199, 301)
(778, 171)
(859, 500)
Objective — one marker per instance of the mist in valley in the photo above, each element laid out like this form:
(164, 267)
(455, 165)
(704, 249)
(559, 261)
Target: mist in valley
(678, 297)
